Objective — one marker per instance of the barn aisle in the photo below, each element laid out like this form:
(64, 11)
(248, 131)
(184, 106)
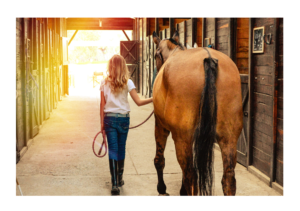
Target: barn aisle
(60, 160)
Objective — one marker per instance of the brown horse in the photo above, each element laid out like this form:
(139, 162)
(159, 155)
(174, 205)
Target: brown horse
(197, 97)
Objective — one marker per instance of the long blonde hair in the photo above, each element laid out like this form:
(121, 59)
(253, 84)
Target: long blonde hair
(117, 74)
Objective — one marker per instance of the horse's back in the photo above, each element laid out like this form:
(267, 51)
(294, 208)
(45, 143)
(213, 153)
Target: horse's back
(180, 84)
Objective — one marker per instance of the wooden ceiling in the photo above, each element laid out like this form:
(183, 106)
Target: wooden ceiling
(94, 23)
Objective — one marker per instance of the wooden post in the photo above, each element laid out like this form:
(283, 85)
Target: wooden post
(194, 31)
(124, 34)
(157, 26)
(203, 30)
(23, 76)
(171, 26)
(250, 79)
(275, 91)
(215, 33)
(232, 38)
(184, 32)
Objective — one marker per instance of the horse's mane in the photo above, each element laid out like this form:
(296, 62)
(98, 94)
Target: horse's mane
(176, 43)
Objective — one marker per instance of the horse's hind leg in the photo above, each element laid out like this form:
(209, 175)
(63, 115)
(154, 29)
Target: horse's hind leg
(184, 155)
(161, 135)
(228, 150)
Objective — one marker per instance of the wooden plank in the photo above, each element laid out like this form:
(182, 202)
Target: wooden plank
(275, 97)
(262, 127)
(223, 32)
(203, 30)
(243, 33)
(242, 55)
(262, 141)
(279, 148)
(223, 39)
(242, 22)
(261, 165)
(171, 26)
(263, 109)
(262, 89)
(257, 153)
(263, 99)
(263, 60)
(279, 172)
(263, 80)
(266, 119)
(156, 25)
(250, 88)
(242, 63)
(244, 79)
(263, 21)
(263, 70)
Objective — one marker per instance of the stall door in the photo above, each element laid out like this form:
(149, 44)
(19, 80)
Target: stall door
(129, 50)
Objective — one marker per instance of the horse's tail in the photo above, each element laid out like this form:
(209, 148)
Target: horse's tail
(205, 131)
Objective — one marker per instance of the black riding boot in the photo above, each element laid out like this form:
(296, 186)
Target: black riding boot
(113, 166)
(120, 172)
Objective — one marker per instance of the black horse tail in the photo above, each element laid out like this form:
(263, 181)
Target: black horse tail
(205, 131)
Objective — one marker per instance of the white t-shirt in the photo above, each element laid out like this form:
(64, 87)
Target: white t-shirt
(119, 103)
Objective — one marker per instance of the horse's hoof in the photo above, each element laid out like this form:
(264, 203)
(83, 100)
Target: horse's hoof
(165, 194)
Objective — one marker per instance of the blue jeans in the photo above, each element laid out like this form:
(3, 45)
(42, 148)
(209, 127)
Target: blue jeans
(116, 129)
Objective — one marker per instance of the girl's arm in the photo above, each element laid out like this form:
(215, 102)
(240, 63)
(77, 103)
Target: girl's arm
(102, 104)
(137, 99)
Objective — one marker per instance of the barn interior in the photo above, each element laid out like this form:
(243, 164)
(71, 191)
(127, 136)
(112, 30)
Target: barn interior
(43, 76)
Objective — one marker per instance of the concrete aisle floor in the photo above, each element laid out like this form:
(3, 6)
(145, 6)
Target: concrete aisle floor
(60, 160)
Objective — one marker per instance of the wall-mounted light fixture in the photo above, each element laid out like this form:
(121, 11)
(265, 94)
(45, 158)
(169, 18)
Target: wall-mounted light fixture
(100, 22)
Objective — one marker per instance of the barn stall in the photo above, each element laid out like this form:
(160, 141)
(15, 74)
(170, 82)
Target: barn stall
(42, 73)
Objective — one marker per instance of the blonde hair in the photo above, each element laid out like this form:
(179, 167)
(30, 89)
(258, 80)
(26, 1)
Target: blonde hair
(117, 74)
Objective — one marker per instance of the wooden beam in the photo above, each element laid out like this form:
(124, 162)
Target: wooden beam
(72, 37)
(194, 31)
(171, 26)
(275, 91)
(250, 88)
(215, 33)
(232, 38)
(157, 26)
(126, 35)
(203, 30)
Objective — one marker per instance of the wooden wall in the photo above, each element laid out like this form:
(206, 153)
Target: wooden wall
(264, 73)
(261, 145)
(38, 73)
(20, 98)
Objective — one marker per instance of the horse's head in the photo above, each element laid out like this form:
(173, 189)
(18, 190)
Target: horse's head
(165, 48)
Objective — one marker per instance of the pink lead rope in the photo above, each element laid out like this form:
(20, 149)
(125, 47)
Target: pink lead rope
(104, 143)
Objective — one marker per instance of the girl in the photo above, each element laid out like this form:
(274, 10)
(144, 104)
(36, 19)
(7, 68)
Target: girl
(114, 113)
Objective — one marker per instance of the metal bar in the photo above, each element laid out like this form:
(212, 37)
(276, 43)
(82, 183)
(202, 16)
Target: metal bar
(72, 37)
(249, 134)
(275, 91)
(126, 35)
